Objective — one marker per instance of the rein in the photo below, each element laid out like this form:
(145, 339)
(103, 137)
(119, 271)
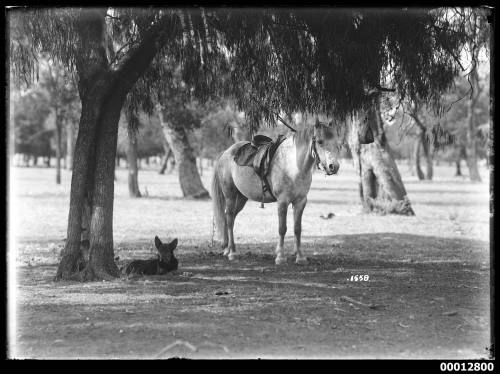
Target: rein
(315, 153)
(286, 124)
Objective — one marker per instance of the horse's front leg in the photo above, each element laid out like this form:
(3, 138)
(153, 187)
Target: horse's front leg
(282, 210)
(298, 208)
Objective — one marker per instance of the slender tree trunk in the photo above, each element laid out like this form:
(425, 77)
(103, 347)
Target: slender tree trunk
(164, 164)
(458, 172)
(471, 139)
(133, 173)
(189, 177)
(471, 143)
(424, 145)
(427, 155)
(69, 145)
(418, 169)
(411, 160)
(200, 165)
(58, 149)
(381, 187)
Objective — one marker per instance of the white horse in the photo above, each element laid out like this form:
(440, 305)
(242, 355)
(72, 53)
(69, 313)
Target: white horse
(289, 177)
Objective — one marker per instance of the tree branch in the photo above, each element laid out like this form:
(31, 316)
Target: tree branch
(140, 57)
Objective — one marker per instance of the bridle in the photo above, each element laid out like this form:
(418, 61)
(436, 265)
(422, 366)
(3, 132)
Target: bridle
(315, 154)
(314, 151)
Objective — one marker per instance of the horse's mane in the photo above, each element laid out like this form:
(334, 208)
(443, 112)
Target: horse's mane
(303, 135)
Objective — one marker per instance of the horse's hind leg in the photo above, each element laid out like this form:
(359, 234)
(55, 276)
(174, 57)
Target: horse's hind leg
(234, 205)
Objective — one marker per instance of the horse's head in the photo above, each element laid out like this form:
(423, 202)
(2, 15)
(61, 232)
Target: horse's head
(166, 256)
(326, 145)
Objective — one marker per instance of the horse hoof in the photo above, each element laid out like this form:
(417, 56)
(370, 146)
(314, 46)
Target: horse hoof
(226, 252)
(280, 260)
(301, 261)
(232, 256)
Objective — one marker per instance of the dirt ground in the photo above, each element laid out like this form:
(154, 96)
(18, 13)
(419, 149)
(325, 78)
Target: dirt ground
(428, 293)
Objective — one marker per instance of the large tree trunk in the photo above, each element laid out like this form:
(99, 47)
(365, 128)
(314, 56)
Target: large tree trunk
(189, 177)
(101, 261)
(381, 187)
(102, 92)
(133, 172)
(69, 145)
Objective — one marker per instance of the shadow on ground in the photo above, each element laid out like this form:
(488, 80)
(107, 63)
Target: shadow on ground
(425, 297)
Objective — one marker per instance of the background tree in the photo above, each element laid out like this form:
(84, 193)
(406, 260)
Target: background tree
(132, 150)
(470, 139)
(177, 118)
(221, 126)
(478, 40)
(64, 100)
(422, 144)
(381, 188)
(31, 132)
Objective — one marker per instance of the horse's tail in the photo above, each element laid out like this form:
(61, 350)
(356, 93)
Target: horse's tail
(219, 202)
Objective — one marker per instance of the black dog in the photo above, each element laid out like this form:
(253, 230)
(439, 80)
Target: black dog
(164, 263)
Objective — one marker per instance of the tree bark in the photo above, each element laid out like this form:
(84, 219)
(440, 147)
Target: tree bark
(58, 150)
(418, 169)
(381, 187)
(164, 164)
(82, 179)
(189, 177)
(133, 172)
(70, 142)
(424, 145)
(101, 261)
(428, 156)
(458, 172)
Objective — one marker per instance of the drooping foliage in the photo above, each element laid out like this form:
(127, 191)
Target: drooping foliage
(271, 61)
(325, 60)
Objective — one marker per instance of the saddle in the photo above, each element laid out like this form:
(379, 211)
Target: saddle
(258, 154)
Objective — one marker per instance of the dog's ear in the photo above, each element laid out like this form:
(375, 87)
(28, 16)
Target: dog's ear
(158, 242)
(173, 244)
